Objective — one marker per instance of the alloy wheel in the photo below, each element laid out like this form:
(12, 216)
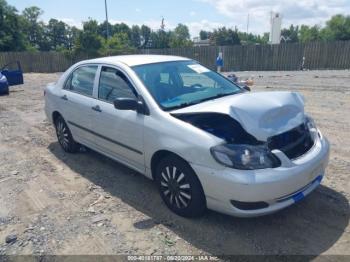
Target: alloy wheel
(62, 134)
(175, 187)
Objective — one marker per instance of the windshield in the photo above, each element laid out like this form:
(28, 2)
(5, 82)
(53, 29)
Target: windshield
(183, 83)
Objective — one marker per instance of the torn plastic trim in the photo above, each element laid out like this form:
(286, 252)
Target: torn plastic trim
(220, 125)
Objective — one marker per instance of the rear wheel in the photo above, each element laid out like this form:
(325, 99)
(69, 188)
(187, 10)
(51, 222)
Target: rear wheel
(180, 188)
(65, 137)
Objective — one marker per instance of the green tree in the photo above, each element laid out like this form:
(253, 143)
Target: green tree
(89, 41)
(160, 39)
(291, 34)
(102, 29)
(135, 36)
(11, 34)
(121, 28)
(180, 37)
(57, 32)
(72, 36)
(265, 38)
(252, 39)
(35, 29)
(308, 34)
(145, 36)
(337, 28)
(91, 26)
(117, 45)
(224, 36)
(204, 35)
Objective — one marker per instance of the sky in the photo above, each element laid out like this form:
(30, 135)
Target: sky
(196, 14)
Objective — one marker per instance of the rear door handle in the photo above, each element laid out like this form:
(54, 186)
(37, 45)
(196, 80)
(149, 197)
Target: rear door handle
(64, 97)
(97, 109)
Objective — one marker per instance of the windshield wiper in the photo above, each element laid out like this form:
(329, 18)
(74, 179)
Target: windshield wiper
(198, 101)
(215, 97)
(180, 106)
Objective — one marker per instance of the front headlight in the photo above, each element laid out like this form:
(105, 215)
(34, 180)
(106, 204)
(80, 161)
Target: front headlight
(2, 78)
(245, 157)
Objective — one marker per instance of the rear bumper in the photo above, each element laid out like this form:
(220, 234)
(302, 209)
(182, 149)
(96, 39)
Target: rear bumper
(278, 188)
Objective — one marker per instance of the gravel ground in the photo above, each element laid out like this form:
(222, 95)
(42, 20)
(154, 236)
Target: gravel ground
(56, 203)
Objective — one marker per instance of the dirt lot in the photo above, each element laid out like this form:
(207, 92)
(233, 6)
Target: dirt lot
(87, 204)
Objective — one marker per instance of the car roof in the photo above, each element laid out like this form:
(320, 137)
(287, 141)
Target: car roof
(134, 60)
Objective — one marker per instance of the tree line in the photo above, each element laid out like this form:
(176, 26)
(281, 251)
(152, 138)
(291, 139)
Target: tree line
(26, 31)
(336, 28)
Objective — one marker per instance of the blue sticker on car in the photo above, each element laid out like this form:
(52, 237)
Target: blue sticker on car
(319, 179)
(298, 197)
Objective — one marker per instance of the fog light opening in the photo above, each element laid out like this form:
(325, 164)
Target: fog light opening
(249, 205)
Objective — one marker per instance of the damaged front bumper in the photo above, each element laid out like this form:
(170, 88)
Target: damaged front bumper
(247, 193)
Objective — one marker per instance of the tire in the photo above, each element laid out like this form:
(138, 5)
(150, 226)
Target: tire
(179, 187)
(6, 92)
(64, 136)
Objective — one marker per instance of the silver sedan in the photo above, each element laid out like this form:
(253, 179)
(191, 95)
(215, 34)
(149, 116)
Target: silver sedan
(206, 142)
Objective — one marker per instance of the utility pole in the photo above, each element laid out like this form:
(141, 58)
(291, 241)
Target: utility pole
(107, 27)
(162, 25)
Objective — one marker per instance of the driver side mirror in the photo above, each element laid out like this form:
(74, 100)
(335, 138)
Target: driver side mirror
(126, 104)
(131, 104)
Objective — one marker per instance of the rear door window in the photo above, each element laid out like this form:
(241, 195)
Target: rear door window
(82, 80)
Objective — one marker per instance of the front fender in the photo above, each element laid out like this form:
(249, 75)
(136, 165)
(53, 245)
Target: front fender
(180, 138)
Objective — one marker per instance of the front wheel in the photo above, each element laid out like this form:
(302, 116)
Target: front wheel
(180, 188)
(65, 137)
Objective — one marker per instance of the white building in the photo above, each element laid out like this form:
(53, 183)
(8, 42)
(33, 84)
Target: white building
(197, 42)
(276, 25)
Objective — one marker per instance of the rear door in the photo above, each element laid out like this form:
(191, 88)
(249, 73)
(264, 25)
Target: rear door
(118, 133)
(76, 102)
(13, 73)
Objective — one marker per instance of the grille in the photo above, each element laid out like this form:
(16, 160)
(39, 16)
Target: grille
(293, 143)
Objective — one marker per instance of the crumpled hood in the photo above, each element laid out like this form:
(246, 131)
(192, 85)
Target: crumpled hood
(262, 114)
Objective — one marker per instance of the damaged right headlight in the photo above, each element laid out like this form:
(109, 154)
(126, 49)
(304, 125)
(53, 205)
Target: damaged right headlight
(245, 157)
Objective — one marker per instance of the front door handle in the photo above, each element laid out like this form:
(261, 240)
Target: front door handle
(64, 97)
(97, 109)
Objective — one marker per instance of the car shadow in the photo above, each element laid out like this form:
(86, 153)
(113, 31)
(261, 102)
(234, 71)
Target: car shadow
(310, 227)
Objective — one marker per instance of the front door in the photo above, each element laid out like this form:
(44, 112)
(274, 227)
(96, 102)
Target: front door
(13, 73)
(118, 133)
